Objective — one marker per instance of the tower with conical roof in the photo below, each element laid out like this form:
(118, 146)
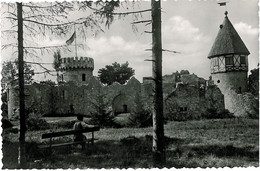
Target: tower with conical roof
(229, 59)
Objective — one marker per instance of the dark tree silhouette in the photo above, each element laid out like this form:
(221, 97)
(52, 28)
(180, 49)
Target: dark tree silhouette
(10, 72)
(115, 73)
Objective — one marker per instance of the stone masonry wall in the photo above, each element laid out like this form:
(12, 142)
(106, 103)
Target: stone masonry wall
(242, 105)
(76, 98)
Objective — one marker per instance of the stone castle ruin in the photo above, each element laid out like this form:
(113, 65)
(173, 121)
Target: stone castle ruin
(80, 92)
(186, 96)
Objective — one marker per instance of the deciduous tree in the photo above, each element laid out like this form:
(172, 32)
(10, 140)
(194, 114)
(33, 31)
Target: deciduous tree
(115, 73)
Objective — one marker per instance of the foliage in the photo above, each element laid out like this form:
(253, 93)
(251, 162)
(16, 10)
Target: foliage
(184, 72)
(102, 115)
(57, 60)
(10, 72)
(179, 116)
(213, 114)
(48, 82)
(4, 107)
(253, 82)
(142, 117)
(34, 123)
(115, 73)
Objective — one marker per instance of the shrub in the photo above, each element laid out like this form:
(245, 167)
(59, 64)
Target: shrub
(64, 124)
(213, 114)
(35, 123)
(178, 116)
(102, 119)
(141, 119)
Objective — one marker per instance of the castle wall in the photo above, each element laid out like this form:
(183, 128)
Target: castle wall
(228, 80)
(188, 102)
(242, 105)
(76, 98)
(118, 96)
(13, 101)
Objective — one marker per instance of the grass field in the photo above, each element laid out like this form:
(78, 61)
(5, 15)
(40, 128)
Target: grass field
(190, 144)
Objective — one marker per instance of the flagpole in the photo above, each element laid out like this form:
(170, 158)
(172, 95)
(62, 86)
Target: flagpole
(75, 40)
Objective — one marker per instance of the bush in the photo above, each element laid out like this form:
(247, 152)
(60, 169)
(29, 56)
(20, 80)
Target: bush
(179, 116)
(35, 123)
(102, 119)
(64, 124)
(141, 119)
(213, 114)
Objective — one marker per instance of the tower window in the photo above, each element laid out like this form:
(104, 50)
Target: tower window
(125, 108)
(83, 77)
(242, 60)
(215, 62)
(229, 60)
(239, 90)
(183, 109)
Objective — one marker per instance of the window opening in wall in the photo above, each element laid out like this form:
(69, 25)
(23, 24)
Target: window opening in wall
(229, 60)
(215, 62)
(183, 109)
(83, 77)
(218, 81)
(61, 77)
(63, 94)
(239, 90)
(242, 60)
(125, 108)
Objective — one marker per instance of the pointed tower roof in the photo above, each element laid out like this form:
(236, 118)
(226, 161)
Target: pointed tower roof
(228, 41)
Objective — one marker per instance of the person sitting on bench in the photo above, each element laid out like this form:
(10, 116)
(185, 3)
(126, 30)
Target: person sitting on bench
(80, 124)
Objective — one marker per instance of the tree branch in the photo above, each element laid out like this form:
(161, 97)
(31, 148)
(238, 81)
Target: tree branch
(122, 13)
(144, 21)
(165, 50)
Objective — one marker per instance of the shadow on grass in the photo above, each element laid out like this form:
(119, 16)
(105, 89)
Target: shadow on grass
(130, 152)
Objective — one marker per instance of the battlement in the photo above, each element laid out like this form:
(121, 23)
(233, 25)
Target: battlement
(77, 62)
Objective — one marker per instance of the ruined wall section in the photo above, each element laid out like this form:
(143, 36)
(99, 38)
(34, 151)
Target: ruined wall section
(39, 98)
(214, 99)
(242, 105)
(123, 98)
(189, 102)
(13, 101)
(74, 98)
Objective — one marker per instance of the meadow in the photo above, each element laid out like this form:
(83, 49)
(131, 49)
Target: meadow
(201, 143)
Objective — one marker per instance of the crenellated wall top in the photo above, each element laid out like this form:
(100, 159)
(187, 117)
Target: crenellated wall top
(77, 62)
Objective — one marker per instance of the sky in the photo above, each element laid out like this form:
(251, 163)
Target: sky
(188, 26)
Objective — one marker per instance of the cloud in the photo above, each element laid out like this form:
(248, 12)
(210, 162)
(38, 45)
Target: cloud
(244, 28)
(181, 35)
(106, 50)
(182, 31)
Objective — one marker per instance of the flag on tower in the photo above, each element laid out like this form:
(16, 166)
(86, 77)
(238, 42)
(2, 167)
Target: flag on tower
(71, 39)
(222, 4)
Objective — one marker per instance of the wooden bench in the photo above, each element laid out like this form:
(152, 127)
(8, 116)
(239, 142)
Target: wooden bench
(70, 132)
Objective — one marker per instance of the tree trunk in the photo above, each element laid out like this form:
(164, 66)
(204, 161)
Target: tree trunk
(158, 129)
(22, 156)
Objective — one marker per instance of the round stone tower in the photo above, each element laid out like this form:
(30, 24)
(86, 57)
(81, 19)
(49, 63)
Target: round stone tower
(229, 59)
(77, 69)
